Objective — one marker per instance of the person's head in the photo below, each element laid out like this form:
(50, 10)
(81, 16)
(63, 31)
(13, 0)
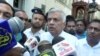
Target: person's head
(93, 30)
(23, 16)
(56, 21)
(6, 10)
(80, 26)
(38, 18)
(70, 25)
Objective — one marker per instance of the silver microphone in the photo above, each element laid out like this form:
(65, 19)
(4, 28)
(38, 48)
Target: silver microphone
(16, 24)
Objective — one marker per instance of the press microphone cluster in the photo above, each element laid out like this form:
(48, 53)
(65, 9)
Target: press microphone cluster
(8, 28)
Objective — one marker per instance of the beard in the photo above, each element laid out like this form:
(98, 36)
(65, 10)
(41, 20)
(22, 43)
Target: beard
(37, 26)
(79, 31)
(72, 32)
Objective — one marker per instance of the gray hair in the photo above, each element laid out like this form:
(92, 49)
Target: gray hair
(62, 14)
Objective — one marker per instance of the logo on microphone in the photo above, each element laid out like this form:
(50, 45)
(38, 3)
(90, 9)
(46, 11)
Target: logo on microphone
(5, 37)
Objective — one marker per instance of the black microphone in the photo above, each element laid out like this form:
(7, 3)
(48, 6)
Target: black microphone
(56, 40)
(38, 38)
(45, 49)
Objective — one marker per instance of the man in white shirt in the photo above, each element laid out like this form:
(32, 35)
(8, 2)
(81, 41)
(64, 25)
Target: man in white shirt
(37, 23)
(56, 23)
(90, 46)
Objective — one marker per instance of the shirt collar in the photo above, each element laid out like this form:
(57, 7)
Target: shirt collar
(85, 43)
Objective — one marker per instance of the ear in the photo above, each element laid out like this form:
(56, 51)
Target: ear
(64, 24)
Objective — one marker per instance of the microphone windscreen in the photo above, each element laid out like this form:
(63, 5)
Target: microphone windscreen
(56, 40)
(45, 49)
(16, 25)
(43, 45)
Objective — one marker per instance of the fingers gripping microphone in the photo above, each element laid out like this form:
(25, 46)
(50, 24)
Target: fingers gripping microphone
(7, 30)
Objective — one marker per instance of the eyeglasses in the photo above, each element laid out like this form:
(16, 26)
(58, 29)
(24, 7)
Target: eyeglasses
(25, 19)
(95, 29)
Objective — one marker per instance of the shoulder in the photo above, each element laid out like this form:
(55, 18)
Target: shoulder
(27, 30)
(44, 34)
(68, 36)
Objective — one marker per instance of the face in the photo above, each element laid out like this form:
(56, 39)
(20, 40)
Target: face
(94, 30)
(80, 27)
(23, 16)
(55, 23)
(5, 11)
(37, 21)
(70, 27)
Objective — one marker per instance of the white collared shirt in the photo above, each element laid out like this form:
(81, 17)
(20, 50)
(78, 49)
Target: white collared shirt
(84, 49)
(68, 37)
(28, 32)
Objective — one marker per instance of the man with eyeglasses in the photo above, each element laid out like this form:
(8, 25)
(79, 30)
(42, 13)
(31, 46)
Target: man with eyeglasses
(90, 46)
(23, 16)
(20, 37)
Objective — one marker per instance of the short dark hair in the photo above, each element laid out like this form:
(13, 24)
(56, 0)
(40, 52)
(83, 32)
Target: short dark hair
(82, 20)
(4, 2)
(95, 20)
(37, 10)
(70, 18)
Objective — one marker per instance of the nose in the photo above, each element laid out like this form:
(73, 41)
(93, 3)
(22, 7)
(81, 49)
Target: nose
(51, 21)
(92, 30)
(37, 20)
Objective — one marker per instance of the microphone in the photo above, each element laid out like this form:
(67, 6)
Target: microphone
(16, 25)
(62, 47)
(56, 40)
(7, 30)
(45, 49)
(31, 43)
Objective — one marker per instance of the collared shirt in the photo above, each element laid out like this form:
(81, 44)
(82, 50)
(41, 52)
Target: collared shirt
(84, 49)
(81, 35)
(28, 32)
(68, 37)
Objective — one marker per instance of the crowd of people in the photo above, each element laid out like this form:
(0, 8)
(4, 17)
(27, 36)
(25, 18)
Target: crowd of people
(50, 27)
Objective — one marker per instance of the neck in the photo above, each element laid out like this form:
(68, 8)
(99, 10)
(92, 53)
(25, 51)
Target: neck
(55, 34)
(34, 30)
(92, 42)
